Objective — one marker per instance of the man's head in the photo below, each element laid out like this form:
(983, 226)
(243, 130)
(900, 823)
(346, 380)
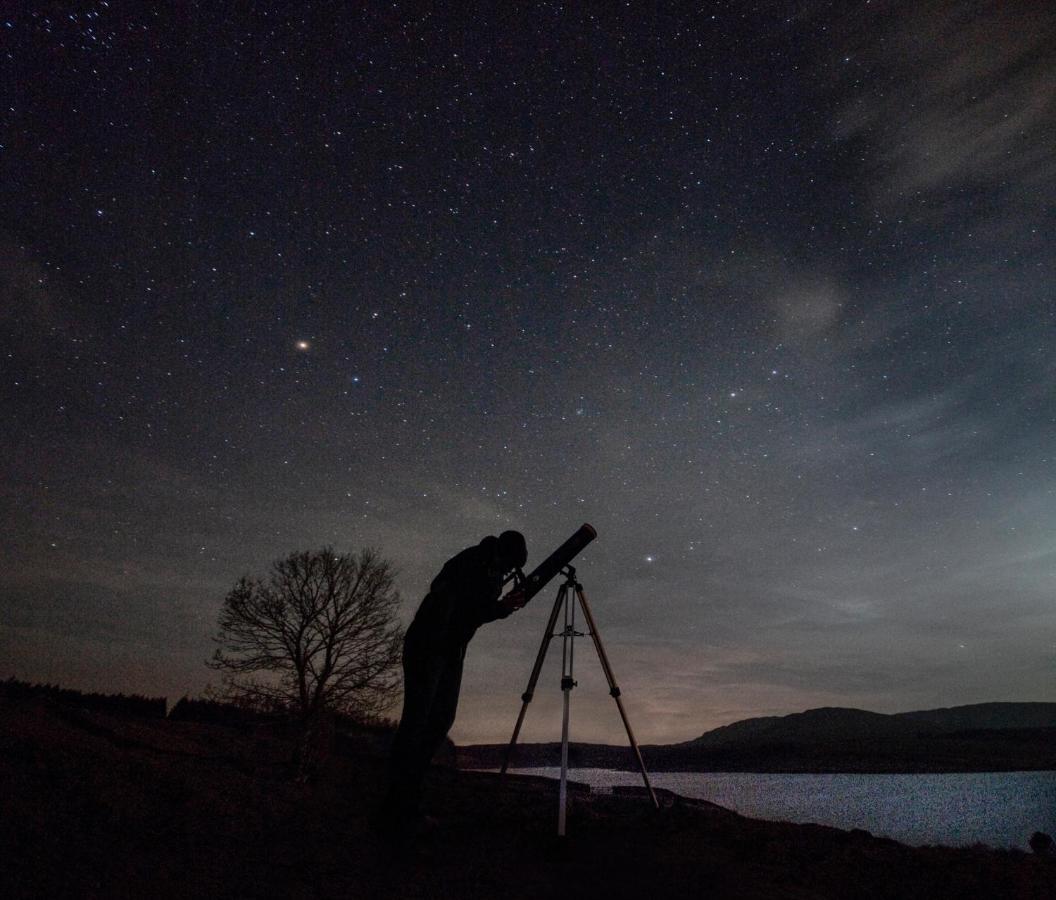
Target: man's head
(513, 551)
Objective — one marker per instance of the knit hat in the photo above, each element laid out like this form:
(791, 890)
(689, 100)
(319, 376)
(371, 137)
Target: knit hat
(513, 548)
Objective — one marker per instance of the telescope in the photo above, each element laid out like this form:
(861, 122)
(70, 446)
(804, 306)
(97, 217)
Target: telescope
(556, 561)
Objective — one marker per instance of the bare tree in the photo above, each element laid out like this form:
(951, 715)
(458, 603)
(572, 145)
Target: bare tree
(320, 633)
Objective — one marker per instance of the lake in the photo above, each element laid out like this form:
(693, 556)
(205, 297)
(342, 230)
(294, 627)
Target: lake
(1001, 809)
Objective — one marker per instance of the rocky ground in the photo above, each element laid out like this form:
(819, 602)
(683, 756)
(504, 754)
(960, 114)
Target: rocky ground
(104, 806)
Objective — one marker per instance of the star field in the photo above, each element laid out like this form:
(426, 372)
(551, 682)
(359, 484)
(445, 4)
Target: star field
(763, 292)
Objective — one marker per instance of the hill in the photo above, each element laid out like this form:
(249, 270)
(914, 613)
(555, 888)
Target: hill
(987, 716)
(982, 737)
(815, 726)
(105, 806)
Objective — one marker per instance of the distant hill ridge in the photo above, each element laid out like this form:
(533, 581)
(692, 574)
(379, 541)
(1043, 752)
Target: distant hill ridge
(977, 737)
(988, 715)
(834, 722)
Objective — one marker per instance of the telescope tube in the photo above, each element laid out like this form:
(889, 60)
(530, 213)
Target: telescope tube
(556, 561)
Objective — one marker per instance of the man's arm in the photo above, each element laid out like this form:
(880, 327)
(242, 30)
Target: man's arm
(504, 606)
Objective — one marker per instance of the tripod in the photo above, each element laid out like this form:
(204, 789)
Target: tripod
(567, 595)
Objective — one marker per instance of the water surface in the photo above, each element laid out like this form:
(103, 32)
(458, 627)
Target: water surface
(1001, 809)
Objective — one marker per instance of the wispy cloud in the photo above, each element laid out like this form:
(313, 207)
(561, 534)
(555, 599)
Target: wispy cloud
(956, 96)
(36, 307)
(806, 307)
(911, 433)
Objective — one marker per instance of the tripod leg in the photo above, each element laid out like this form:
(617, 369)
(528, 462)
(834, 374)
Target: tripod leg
(568, 651)
(526, 697)
(613, 689)
(562, 794)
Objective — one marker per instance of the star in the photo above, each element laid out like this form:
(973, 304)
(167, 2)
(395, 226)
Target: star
(672, 343)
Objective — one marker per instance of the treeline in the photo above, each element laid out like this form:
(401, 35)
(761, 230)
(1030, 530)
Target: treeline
(215, 712)
(123, 704)
(186, 709)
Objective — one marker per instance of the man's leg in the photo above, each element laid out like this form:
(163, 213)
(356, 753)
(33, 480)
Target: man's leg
(444, 706)
(422, 672)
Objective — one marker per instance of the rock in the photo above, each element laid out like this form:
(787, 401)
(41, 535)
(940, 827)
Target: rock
(1042, 844)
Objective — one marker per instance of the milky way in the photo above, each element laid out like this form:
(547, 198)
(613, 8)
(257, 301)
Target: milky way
(764, 294)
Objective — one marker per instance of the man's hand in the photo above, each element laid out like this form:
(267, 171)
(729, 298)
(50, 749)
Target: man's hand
(512, 602)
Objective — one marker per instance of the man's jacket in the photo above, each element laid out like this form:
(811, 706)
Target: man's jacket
(461, 598)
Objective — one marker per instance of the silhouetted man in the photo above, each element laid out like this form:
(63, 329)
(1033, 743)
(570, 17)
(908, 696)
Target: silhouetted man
(461, 598)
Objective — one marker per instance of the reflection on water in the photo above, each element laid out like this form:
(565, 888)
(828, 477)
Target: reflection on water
(1001, 809)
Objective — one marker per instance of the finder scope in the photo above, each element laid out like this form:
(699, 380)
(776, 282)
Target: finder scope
(556, 561)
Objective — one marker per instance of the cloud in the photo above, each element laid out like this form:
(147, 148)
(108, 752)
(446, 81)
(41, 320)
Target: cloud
(35, 304)
(807, 307)
(910, 433)
(951, 97)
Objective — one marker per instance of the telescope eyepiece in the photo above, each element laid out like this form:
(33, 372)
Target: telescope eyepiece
(516, 576)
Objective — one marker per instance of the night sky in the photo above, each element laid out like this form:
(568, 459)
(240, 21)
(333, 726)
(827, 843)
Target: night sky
(764, 292)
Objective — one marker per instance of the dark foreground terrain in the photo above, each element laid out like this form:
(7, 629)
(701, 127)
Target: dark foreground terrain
(99, 805)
